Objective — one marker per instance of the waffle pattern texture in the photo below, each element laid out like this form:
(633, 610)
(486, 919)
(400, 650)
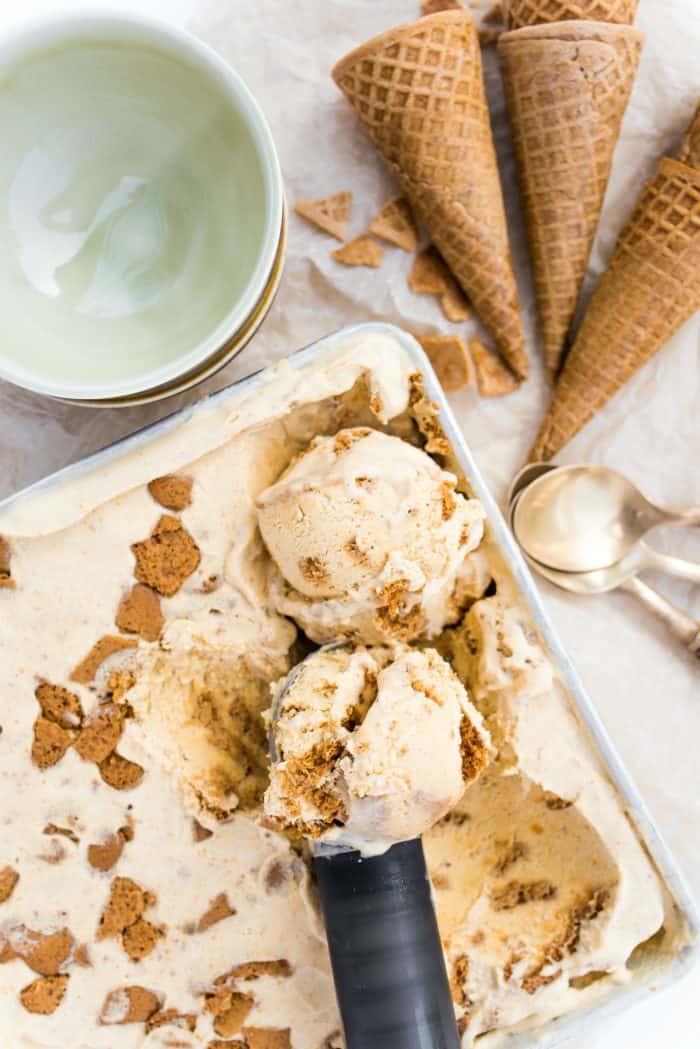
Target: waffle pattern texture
(567, 88)
(419, 92)
(519, 13)
(649, 290)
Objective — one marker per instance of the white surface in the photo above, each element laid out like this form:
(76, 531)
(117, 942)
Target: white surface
(644, 685)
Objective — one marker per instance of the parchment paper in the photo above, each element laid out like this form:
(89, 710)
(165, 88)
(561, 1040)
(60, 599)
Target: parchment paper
(646, 687)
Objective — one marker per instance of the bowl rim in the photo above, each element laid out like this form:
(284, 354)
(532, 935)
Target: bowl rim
(74, 24)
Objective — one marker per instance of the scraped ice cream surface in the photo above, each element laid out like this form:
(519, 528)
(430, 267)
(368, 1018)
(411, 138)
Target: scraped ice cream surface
(149, 609)
(374, 746)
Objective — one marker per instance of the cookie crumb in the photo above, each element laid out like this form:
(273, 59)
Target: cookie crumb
(44, 995)
(201, 833)
(217, 911)
(125, 905)
(171, 491)
(362, 251)
(231, 1011)
(330, 214)
(107, 646)
(493, 376)
(104, 855)
(120, 773)
(139, 939)
(429, 273)
(396, 224)
(517, 893)
(451, 360)
(59, 705)
(279, 967)
(267, 1037)
(171, 1018)
(52, 830)
(45, 953)
(167, 558)
(128, 1005)
(8, 882)
(100, 735)
(140, 613)
(50, 743)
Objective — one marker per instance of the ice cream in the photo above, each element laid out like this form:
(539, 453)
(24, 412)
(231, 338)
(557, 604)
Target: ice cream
(368, 538)
(374, 746)
(143, 899)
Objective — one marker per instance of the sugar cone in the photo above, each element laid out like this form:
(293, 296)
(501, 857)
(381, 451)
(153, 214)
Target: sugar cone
(519, 13)
(567, 88)
(419, 92)
(649, 290)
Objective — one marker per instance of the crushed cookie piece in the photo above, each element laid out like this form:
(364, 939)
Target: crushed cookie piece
(426, 414)
(533, 981)
(330, 214)
(458, 978)
(211, 584)
(396, 224)
(232, 1012)
(429, 273)
(128, 1005)
(448, 501)
(44, 995)
(313, 569)
(52, 830)
(171, 491)
(140, 613)
(8, 882)
(199, 832)
(107, 646)
(125, 905)
(50, 743)
(252, 970)
(6, 579)
(139, 939)
(475, 755)
(104, 855)
(454, 303)
(171, 1018)
(81, 956)
(451, 360)
(120, 773)
(514, 852)
(217, 911)
(362, 251)
(516, 893)
(59, 705)
(167, 558)
(494, 377)
(267, 1037)
(100, 734)
(44, 953)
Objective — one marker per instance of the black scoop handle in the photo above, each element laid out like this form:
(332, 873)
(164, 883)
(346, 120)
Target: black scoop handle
(387, 959)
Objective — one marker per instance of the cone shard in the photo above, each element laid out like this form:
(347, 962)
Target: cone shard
(419, 92)
(567, 87)
(649, 290)
(520, 13)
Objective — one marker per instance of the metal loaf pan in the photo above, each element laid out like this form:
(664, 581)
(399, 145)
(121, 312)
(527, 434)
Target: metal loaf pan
(659, 972)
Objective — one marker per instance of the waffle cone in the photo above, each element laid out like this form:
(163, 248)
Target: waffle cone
(520, 13)
(567, 87)
(649, 290)
(419, 92)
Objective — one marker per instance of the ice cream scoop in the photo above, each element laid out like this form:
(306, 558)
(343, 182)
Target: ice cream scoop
(368, 539)
(370, 747)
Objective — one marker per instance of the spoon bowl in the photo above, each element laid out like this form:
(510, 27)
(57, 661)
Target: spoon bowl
(583, 518)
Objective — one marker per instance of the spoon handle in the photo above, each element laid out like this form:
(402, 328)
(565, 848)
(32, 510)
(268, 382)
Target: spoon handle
(674, 566)
(683, 626)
